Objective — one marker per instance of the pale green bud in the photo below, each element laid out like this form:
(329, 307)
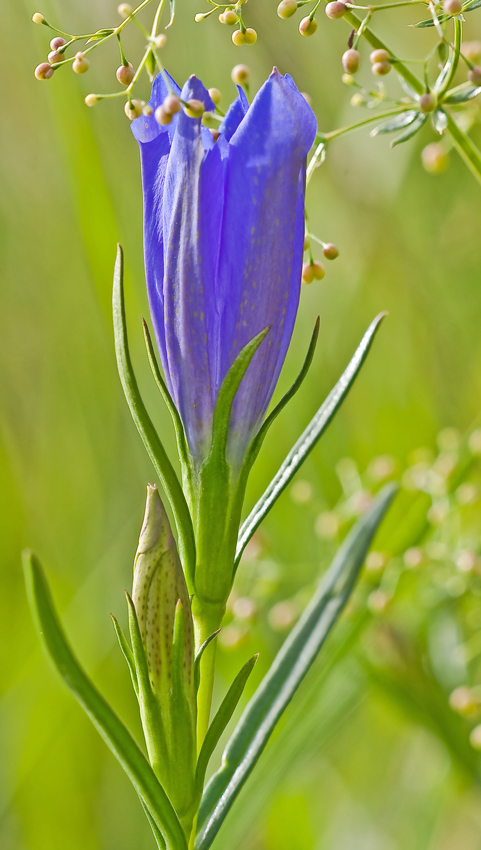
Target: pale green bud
(215, 95)
(287, 8)
(250, 36)
(124, 10)
(38, 18)
(80, 64)
(240, 75)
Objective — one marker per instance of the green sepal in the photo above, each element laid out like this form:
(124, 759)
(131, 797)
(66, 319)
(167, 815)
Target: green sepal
(307, 440)
(287, 672)
(108, 724)
(221, 719)
(411, 130)
(198, 658)
(150, 438)
(127, 653)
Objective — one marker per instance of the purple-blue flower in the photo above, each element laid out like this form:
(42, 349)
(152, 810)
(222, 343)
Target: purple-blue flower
(223, 243)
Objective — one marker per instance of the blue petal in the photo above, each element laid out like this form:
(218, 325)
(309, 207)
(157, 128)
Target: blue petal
(145, 128)
(234, 115)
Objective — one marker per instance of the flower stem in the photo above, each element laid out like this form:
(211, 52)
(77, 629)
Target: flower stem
(465, 147)
(207, 619)
(372, 118)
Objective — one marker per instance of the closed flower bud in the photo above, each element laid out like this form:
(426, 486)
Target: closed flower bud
(306, 243)
(358, 100)
(335, 10)
(148, 109)
(238, 38)
(230, 18)
(307, 273)
(44, 71)
(308, 27)
(348, 80)
(198, 18)
(124, 10)
(91, 100)
(427, 102)
(474, 75)
(240, 75)
(378, 56)
(57, 42)
(162, 117)
(80, 64)
(452, 7)
(215, 96)
(125, 74)
(318, 270)
(330, 251)
(250, 36)
(380, 69)
(434, 158)
(471, 50)
(172, 104)
(287, 8)
(38, 18)
(350, 60)
(132, 109)
(195, 108)
(160, 41)
(55, 57)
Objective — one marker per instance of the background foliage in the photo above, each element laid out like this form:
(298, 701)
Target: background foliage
(370, 754)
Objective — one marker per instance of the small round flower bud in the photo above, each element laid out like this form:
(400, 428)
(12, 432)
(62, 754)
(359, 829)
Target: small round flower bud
(38, 18)
(162, 116)
(221, 17)
(380, 69)
(287, 8)
(148, 109)
(434, 158)
(357, 100)
(240, 75)
(91, 100)
(335, 10)
(238, 38)
(452, 7)
(378, 56)
(124, 10)
(306, 243)
(195, 108)
(307, 273)
(350, 60)
(57, 42)
(215, 134)
(172, 104)
(427, 102)
(318, 270)
(198, 18)
(215, 95)
(471, 50)
(44, 71)
(132, 109)
(250, 36)
(308, 27)
(160, 41)
(474, 75)
(348, 79)
(80, 64)
(125, 74)
(55, 57)
(330, 251)
(230, 17)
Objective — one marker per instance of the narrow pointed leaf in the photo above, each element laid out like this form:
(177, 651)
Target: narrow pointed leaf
(221, 719)
(430, 23)
(462, 94)
(157, 834)
(440, 120)
(445, 72)
(411, 130)
(138, 651)
(198, 658)
(108, 724)
(151, 440)
(307, 440)
(287, 672)
(172, 13)
(127, 653)
(396, 123)
(470, 7)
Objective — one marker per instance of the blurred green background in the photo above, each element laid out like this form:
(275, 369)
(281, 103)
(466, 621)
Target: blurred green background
(370, 755)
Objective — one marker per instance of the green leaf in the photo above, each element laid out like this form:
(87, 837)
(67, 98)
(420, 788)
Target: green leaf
(462, 93)
(198, 658)
(440, 120)
(151, 440)
(470, 7)
(307, 440)
(108, 724)
(396, 123)
(221, 719)
(172, 13)
(287, 672)
(411, 130)
(430, 23)
(127, 653)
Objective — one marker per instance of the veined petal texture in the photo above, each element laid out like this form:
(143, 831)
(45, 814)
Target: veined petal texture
(223, 234)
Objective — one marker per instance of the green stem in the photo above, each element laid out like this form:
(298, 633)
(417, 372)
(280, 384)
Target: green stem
(458, 32)
(207, 619)
(372, 118)
(465, 147)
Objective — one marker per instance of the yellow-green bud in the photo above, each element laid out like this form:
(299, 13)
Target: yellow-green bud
(335, 10)
(434, 158)
(380, 55)
(238, 38)
(330, 251)
(471, 50)
(452, 7)
(91, 100)
(357, 99)
(124, 10)
(172, 104)
(240, 75)
(308, 27)
(160, 41)
(54, 56)
(287, 8)
(380, 69)
(474, 75)
(350, 60)
(427, 102)
(318, 270)
(38, 18)
(148, 109)
(198, 18)
(80, 64)
(230, 18)
(125, 74)
(348, 79)
(215, 96)
(162, 116)
(43, 71)
(195, 108)
(132, 109)
(250, 36)
(307, 273)
(306, 243)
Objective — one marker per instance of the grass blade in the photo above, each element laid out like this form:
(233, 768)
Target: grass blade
(287, 672)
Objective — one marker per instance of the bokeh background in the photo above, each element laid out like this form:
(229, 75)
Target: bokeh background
(371, 755)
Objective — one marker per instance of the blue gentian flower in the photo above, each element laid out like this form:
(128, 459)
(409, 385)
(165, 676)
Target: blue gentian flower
(223, 242)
